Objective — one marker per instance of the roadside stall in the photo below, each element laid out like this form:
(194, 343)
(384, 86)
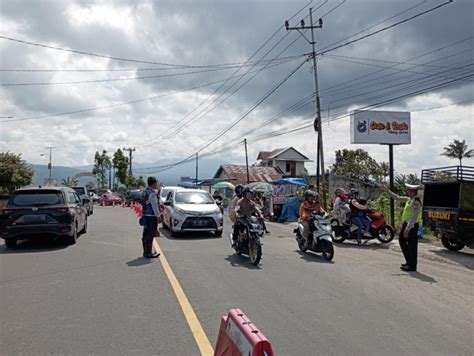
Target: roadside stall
(226, 189)
(285, 198)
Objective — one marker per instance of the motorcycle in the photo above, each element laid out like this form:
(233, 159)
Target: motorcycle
(248, 240)
(378, 228)
(320, 239)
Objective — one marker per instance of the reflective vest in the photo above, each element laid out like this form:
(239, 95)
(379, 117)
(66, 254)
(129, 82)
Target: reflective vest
(407, 211)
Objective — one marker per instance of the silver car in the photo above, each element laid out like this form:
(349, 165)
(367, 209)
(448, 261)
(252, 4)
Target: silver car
(189, 210)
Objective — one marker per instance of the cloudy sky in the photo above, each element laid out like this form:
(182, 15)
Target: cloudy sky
(173, 78)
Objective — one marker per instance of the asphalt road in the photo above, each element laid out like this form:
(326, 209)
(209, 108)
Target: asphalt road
(100, 297)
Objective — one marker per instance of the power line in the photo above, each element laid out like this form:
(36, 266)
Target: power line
(115, 105)
(385, 28)
(267, 63)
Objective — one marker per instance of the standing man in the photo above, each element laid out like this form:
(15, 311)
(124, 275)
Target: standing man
(412, 220)
(151, 213)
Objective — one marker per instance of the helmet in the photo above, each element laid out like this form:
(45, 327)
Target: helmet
(309, 194)
(247, 189)
(238, 189)
(354, 191)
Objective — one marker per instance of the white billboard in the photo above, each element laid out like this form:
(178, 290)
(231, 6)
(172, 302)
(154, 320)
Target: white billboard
(382, 127)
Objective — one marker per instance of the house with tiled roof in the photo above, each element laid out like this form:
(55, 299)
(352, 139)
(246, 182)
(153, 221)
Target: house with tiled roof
(238, 174)
(288, 160)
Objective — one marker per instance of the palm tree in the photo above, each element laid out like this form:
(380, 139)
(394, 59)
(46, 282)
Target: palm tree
(457, 149)
(70, 182)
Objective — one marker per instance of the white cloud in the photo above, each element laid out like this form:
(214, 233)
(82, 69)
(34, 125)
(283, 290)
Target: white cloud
(214, 33)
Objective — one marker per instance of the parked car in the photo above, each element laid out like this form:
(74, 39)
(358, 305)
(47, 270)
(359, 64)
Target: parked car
(448, 205)
(95, 198)
(84, 193)
(110, 199)
(38, 212)
(133, 196)
(189, 210)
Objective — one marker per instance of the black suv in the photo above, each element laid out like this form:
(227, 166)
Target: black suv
(84, 193)
(36, 212)
(133, 196)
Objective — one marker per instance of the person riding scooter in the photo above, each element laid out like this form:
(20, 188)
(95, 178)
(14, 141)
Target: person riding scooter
(308, 207)
(341, 207)
(233, 203)
(358, 215)
(245, 208)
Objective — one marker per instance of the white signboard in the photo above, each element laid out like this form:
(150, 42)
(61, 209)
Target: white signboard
(382, 127)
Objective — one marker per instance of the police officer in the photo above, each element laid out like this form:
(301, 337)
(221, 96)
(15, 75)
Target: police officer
(412, 220)
(151, 213)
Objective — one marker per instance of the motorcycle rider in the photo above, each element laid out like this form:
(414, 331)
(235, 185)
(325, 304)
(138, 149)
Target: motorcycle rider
(358, 210)
(309, 206)
(245, 208)
(341, 205)
(233, 203)
(412, 220)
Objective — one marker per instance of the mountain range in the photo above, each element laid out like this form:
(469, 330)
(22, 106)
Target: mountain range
(206, 169)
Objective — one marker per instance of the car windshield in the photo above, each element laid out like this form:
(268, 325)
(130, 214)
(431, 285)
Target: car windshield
(37, 198)
(194, 198)
(80, 190)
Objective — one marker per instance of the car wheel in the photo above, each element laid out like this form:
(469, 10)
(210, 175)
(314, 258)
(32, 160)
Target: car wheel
(218, 233)
(84, 229)
(451, 244)
(71, 240)
(11, 242)
(92, 211)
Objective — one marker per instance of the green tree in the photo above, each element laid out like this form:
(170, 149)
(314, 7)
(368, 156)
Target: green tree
(90, 185)
(70, 182)
(356, 164)
(14, 172)
(134, 182)
(102, 164)
(120, 162)
(385, 170)
(457, 149)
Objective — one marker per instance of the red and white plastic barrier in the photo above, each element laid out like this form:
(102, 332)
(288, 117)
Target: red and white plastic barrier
(238, 336)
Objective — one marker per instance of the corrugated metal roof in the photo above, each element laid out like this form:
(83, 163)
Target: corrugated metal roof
(256, 174)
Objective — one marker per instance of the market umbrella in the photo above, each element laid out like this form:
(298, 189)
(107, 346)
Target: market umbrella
(222, 185)
(262, 187)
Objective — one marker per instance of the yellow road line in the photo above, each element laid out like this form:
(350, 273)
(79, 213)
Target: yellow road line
(198, 332)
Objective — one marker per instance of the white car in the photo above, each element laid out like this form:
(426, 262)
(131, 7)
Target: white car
(188, 210)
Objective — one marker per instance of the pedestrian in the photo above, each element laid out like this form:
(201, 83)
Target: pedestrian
(411, 222)
(151, 214)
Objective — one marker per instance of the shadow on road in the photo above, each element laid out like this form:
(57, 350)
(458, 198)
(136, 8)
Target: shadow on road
(464, 258)
(418, 275)
(241, 261)
(139, 261)
(35, 245)
(310, 256)
(365, 245)
(189, 236)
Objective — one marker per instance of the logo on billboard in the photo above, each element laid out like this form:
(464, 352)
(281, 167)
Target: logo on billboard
(362, 126)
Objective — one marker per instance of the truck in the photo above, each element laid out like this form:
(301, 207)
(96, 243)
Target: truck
(448, 205)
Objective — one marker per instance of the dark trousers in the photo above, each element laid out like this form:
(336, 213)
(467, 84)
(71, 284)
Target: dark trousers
(409, 246)
(149, 230)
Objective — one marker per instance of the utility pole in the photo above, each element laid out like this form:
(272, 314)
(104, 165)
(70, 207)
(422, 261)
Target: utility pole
(247, 161)
(130, 150)
(317, 121)
(50, 167)
(197, 166)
